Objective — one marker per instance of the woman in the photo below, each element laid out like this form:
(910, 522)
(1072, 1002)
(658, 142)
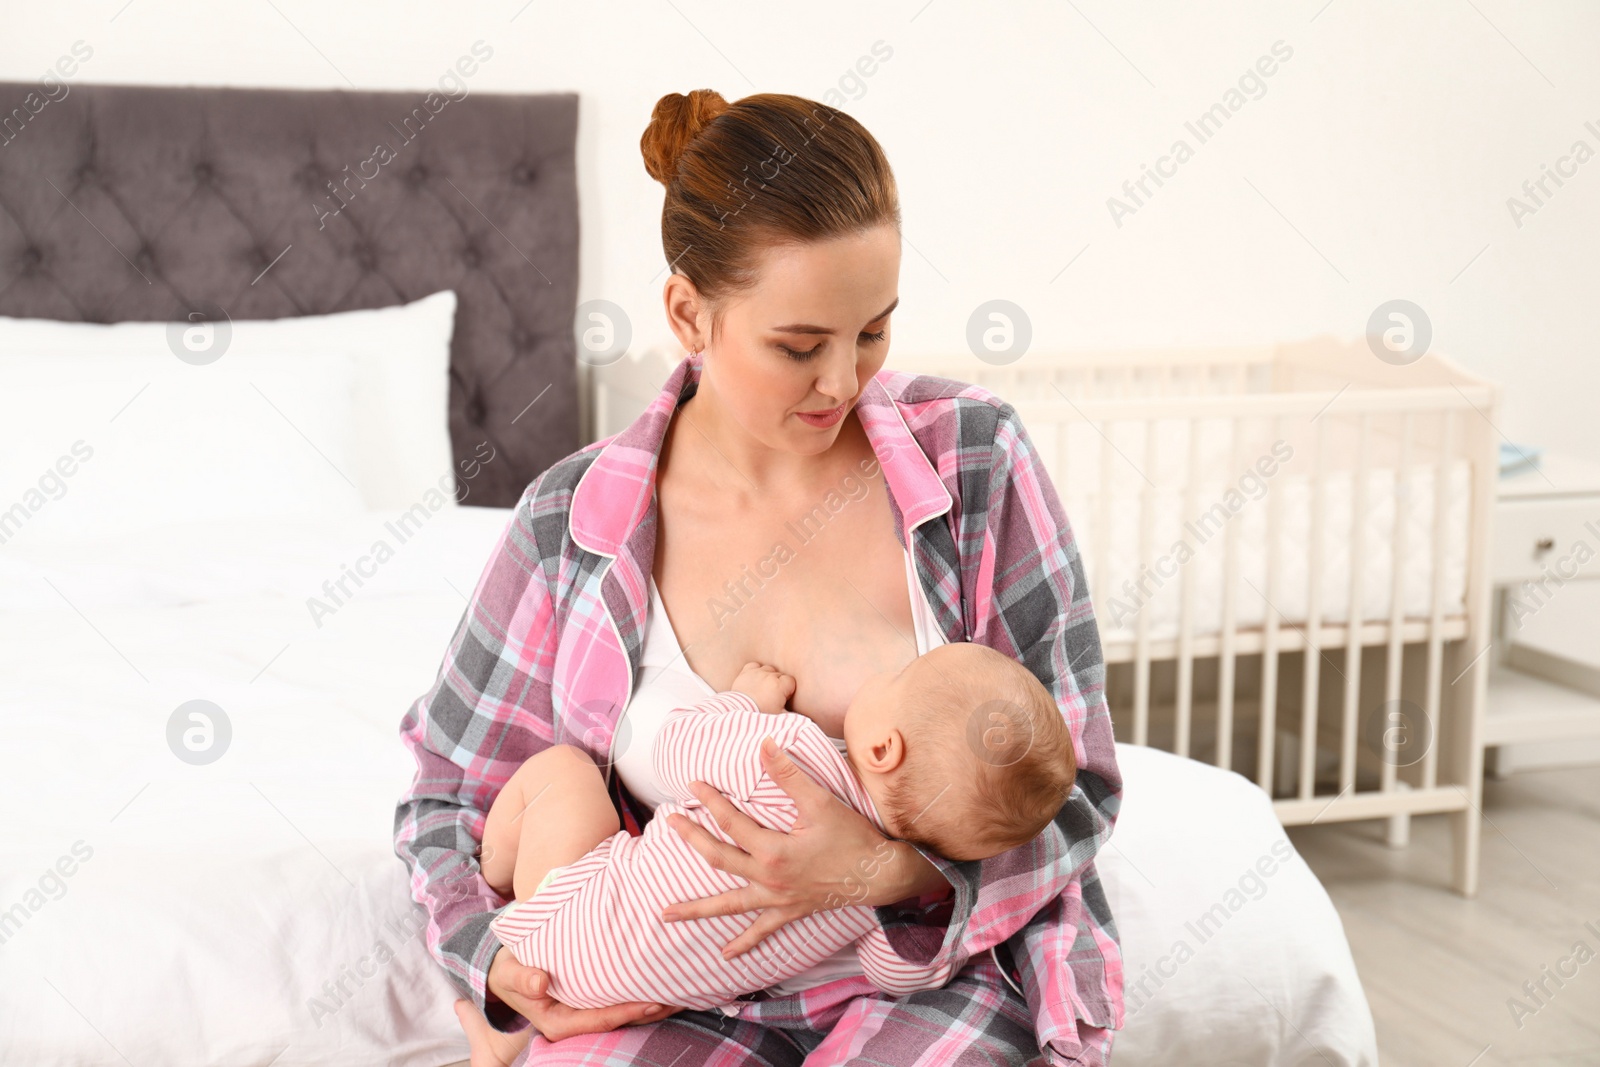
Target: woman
(792, 506)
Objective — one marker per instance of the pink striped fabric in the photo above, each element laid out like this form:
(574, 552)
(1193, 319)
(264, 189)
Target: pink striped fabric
(596, 927)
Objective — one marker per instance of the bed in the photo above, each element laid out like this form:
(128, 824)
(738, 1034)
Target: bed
(252, 911)
(215, 618)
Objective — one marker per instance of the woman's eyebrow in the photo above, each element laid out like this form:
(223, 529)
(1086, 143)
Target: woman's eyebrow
(799, 327)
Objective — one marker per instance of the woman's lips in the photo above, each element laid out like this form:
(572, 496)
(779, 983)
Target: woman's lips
(822, 419)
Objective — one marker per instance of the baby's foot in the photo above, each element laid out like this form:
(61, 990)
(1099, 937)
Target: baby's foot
(489, 1047)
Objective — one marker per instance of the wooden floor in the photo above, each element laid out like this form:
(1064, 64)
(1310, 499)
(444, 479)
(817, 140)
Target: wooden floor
(1440, 971)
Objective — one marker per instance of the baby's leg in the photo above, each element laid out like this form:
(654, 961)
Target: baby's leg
(553, 810)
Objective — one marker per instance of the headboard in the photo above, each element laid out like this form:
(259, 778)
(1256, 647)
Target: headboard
(141, 203)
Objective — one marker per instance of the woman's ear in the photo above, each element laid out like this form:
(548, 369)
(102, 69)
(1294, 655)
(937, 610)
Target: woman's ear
(685, 312)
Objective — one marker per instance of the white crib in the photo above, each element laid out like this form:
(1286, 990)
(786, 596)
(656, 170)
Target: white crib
(1358, 695)
(1286, 547)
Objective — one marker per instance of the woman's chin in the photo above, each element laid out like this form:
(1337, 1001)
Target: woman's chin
(810, 440)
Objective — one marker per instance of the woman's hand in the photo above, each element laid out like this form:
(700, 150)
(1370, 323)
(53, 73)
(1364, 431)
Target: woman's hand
(832, 858)
(526, 990)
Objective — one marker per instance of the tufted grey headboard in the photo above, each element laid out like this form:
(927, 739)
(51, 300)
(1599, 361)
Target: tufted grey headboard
(141, 203)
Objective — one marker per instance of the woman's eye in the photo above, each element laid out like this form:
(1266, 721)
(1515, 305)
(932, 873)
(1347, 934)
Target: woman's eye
(801, 357)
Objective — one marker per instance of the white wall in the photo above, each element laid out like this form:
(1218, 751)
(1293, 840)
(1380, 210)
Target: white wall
(1390, 141)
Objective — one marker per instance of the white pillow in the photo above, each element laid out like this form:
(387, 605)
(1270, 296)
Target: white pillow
(94, 439)
(1232, 952)
(386, 415)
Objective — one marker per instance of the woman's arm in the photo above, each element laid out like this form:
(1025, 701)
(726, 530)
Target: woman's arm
(1026, 595)
(488, 710)
(471, 709)
(1031, 600)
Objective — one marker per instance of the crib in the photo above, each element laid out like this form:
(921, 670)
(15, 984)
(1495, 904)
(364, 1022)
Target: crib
(1287, 550)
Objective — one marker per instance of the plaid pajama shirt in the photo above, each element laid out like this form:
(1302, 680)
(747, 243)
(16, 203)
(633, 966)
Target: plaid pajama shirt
(547, 651)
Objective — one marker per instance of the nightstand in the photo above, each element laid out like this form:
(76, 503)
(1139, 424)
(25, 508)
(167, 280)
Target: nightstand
(1546, 540)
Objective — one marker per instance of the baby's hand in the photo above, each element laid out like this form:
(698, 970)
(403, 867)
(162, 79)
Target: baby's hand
(769, 687)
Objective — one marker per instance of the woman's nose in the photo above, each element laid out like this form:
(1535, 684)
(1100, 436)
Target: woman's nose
(838, 378)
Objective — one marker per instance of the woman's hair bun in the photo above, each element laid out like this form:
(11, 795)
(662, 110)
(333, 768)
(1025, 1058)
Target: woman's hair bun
(676, 121)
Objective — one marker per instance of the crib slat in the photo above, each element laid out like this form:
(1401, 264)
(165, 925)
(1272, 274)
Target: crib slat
(1354, 617)
(1391, 687)
(1102, 548)
(1227, 658)
(1441, 497)
(1186, 604)
(1141, 641)
(1267, 741)
(1311, 676)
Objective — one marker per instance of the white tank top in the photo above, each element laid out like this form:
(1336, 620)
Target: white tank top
(666, 683)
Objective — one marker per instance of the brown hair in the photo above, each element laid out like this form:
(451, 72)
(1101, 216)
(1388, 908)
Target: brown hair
(769, 169)
(989, 726)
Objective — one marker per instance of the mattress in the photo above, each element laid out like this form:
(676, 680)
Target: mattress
(1188, 542)
(158, 905)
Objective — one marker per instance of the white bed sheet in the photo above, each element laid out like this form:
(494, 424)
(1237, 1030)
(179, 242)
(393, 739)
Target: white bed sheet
(251, 911)
(219, 899)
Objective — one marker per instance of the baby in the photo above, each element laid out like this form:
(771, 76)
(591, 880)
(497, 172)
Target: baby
(963, 753)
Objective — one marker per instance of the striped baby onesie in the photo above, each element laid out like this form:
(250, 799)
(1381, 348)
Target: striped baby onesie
(596, 928)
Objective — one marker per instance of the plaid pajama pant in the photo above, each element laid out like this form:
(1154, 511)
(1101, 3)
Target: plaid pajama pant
(976, 1019)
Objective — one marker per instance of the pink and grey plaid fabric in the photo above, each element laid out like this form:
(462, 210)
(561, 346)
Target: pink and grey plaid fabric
(547, 651)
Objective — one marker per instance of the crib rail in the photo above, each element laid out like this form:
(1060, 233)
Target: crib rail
(1323, 637)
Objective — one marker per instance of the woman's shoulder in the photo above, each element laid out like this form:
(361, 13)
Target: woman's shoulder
(947, 414)
(557, 482)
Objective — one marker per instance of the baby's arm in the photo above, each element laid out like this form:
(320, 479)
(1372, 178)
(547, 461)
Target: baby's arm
(769, 687)
(718, 742)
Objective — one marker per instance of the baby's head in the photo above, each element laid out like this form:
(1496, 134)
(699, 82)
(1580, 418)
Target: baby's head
(964, 751)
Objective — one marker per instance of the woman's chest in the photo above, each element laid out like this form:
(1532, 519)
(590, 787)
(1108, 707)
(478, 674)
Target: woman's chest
(822, 593)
